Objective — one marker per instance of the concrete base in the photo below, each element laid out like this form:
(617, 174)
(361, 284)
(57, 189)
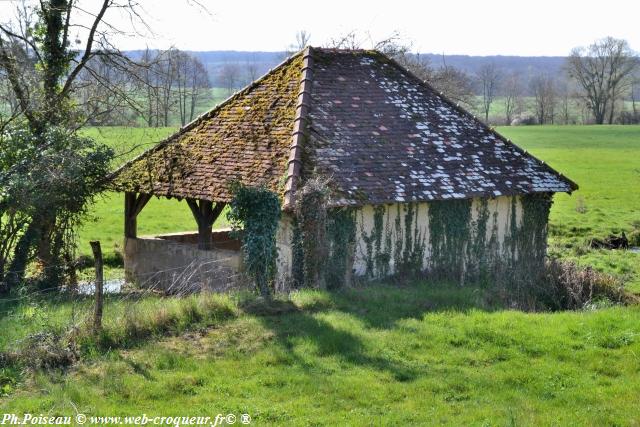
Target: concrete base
(173, 263)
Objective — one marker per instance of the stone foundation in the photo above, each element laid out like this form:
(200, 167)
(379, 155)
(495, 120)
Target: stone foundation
(173, 263)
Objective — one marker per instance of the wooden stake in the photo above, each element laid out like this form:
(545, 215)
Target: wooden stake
(97, 256)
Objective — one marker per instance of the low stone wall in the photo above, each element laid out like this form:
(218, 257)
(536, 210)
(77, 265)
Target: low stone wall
(173, 263)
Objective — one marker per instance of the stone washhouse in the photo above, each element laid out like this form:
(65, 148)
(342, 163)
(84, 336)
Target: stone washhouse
(419, 183)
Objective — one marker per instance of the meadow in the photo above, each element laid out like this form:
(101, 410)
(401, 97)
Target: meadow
(423, 354)
(414, 354)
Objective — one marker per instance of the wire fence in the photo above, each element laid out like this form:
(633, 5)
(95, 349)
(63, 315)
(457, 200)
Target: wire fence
(170, 283)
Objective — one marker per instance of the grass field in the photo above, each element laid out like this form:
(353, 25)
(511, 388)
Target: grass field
(419, 355)
(497, 110)
(603, 160)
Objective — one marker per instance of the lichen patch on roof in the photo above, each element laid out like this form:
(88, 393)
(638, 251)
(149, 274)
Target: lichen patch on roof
(378, 133)
(384, 136)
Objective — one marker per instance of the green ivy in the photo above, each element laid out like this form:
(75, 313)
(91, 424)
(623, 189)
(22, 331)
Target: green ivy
(449, 234)
(254, 215)
(341, 236)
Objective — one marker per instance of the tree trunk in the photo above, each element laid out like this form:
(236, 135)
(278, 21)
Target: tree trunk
(21, 255)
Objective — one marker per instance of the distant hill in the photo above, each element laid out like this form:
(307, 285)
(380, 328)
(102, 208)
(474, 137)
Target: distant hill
(263, 61)
(525, 65)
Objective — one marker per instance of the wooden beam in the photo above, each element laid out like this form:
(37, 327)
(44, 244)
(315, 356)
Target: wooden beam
(133, 205)
(205, 213)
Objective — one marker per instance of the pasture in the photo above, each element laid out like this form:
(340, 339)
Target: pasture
(383, 355)
(419, 353)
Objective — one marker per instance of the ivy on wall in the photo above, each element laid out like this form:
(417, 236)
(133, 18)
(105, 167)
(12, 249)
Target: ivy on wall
(532, 234)
(254, 215)
(449, 234)
(341, 237)
(311, 230)
(464, 240)
(323, 240)
(397, 248)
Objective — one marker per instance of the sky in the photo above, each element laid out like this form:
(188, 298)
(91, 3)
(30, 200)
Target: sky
(481, 27)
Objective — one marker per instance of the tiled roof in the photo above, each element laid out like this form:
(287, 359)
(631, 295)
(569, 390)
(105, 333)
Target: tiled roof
(377, 132)
(382, 135)
(246, 138)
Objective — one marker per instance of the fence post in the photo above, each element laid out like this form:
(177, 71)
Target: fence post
(97, 256)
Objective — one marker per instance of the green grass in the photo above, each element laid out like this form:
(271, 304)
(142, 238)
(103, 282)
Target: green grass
(381, 355)
(603, 160)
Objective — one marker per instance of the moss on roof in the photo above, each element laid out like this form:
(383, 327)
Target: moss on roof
(375, 131)
(246, 138)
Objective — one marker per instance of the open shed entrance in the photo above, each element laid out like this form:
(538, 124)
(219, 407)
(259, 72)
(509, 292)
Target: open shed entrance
(183, 262)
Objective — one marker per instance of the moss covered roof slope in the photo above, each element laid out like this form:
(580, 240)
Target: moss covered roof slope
(374, 130)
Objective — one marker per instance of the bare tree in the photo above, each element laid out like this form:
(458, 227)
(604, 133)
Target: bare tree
(603, 71)
(252, 70)
(302, 40)
(106, 95)
(566, 102)
(192, 84)
(229, 76)
(544, 92)
(148, 85)
(634, 92)
(488, 77)
(39, 46)
(349, 40)
(48, 53)
(512, 96)
(452, 82)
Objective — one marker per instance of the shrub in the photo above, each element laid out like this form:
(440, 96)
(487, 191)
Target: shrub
(46, 350)
(568, 286)
(634, 238)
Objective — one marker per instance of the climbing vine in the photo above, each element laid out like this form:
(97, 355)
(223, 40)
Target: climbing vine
(323, 239)
(478, 251)
(449, 234)
(254, 215)
(468, 240)
(341, 236)
(310, 232)
(404, 241)
(532, 234)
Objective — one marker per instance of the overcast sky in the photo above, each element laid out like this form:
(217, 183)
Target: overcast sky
(480, 27)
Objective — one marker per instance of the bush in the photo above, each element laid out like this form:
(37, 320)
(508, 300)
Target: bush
(46, 350)
(524, 120)
(634, 238)
(567, 286)
(254, 215)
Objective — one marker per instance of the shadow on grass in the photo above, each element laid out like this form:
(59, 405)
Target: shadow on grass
(376, 306)
(381, 305)
(329, 341)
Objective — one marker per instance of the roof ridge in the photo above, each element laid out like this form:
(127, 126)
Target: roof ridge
(294, 164)
(461, 110)
(206, 115)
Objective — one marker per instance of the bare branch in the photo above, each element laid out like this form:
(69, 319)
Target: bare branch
(88, 48)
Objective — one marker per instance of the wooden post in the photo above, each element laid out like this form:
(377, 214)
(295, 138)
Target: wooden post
(97, 255)
(205, 214)
(133, 205)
